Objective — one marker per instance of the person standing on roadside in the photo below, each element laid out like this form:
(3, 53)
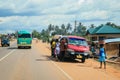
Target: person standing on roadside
(102, 56)
(63, 47)
(53, 45)
(57, 49)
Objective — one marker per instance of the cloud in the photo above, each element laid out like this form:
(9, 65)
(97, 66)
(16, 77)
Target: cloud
(38, 14)
(97, 14)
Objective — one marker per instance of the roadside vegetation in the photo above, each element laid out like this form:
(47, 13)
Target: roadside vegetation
(79, 29)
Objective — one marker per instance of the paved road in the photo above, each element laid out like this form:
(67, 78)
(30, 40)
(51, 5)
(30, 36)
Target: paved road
(27, 64)
(35, 64)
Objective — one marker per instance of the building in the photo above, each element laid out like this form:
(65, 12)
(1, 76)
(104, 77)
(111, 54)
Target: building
(112, 46)
(103, 32)
(110, 35)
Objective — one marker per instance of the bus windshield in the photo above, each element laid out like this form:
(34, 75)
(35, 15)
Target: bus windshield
(24, 36)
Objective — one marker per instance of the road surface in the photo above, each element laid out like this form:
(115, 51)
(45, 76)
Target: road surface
(36, 64)
(27, 64)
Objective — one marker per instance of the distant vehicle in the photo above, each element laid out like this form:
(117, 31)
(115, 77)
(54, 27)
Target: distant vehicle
(77, 48)
(24, 39)
(5, 41)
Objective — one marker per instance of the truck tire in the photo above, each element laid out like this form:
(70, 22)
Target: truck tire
(83, 59)
(18, 47)
(8, 44)
(2, 45)
(29, 47)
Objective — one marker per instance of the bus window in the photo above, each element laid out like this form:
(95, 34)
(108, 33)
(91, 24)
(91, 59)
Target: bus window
(24, 36)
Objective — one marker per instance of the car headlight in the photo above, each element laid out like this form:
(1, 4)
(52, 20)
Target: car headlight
(86, 53)
(73, 52)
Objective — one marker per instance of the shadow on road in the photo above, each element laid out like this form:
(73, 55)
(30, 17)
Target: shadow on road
(42, 60)
(48, 58)
(71, 60)
(17, 48)
(96, 67)
(12, 48)
(45, 58)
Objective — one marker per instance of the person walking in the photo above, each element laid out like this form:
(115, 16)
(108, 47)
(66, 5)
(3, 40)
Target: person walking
(102, 56)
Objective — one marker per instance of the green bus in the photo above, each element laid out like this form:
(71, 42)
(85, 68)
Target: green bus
(24, 39)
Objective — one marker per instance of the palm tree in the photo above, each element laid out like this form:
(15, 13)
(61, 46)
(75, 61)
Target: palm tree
(50, 28)
(68, 27)
(92, 26)
(81, 29)
(57, 30)
(63, 29)
(35, 34)
(112, 24)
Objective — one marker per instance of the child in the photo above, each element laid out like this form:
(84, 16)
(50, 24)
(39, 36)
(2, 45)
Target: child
(102, 56)
(57, 49)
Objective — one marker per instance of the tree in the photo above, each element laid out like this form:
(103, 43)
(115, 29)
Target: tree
(102, 25)
(63, 29)
(112, 24)
(81, 30)
(36, 34)
(45, 35)
(108, 23)
(50, 28)
(68, 27)
(57, 30)
(92, 26)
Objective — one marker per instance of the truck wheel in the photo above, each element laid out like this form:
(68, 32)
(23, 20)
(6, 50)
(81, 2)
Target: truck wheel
(83, 59)
(29, 47)
(2, 45)
(8, 44)
(18, 47)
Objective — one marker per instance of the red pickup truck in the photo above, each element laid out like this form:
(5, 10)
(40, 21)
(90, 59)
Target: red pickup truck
(77, 47)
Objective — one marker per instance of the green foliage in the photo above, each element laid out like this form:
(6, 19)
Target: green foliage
(80, 30)
(36, 34)
(46, 34)
(112, 24)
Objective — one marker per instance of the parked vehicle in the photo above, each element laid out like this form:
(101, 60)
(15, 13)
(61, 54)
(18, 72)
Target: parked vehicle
(77, 48)
(5, 41)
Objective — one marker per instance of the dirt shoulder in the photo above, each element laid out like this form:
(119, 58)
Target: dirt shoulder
(81, 71)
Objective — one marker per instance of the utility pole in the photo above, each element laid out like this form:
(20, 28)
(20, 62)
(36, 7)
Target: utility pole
(75, 27)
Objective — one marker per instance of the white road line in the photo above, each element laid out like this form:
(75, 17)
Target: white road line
(7, 55)
(62, 71)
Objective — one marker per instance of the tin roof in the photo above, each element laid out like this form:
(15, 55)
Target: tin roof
(105, 29)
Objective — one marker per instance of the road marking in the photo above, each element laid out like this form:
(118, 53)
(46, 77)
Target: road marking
(7, 55)
(62, 71)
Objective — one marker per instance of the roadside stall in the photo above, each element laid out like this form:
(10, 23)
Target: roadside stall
(112, 46)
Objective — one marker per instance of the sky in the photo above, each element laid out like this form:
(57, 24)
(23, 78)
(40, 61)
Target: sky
(38, 14)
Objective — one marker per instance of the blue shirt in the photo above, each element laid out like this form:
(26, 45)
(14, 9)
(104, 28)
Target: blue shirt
(102, 52)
